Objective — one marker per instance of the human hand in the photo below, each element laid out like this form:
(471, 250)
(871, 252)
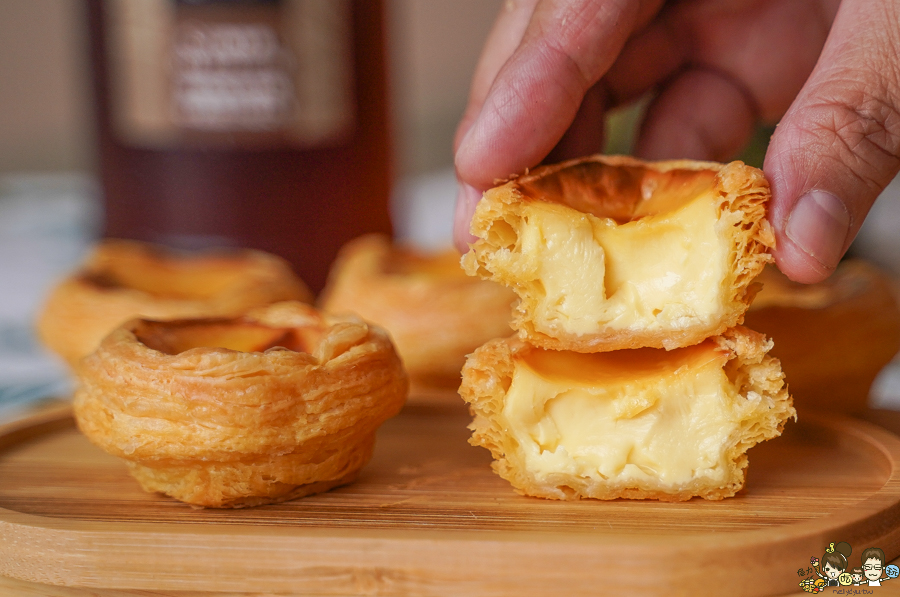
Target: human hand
(827, 69)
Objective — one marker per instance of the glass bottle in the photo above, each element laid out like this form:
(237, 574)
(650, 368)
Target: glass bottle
(253, 123)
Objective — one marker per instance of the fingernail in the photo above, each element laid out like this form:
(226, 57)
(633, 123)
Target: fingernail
(819, 225)
(466, 200)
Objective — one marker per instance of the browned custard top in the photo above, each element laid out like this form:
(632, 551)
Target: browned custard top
(622, 193)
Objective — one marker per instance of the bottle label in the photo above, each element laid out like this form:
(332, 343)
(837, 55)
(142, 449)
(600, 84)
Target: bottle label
(221, 72)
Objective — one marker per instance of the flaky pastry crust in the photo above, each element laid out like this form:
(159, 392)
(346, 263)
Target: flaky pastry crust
(487, 377)
(122, 279)
(616, 188)
(227, 413)
(436, 314)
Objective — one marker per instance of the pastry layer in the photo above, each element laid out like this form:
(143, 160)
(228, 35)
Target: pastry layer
(641, 423)
(237, 412)
(608, 253)
(436, 314)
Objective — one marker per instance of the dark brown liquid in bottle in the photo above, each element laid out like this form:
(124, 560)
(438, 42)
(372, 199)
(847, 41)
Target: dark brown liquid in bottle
(212, 182)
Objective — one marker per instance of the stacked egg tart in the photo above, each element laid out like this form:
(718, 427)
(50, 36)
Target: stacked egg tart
(630, 375)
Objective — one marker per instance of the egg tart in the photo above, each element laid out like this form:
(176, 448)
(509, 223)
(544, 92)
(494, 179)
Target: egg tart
(436, 314)
(232, 412)
(123, 279)
(610, 252)
(635, 423)
(832, 338)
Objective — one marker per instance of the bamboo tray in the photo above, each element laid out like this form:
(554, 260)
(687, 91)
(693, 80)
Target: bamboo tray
(428, 517)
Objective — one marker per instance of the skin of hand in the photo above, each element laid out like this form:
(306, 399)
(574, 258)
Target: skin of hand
(826, 70)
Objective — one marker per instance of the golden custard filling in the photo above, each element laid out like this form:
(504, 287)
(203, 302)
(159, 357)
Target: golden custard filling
(583, 274)
(645, 418)
(176, 337)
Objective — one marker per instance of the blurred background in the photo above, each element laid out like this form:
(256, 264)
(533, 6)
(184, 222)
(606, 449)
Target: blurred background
(47, 117)
(49, 157)
(50, 193)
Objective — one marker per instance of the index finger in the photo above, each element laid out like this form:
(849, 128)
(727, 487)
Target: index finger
(565, 49)
(504, 38)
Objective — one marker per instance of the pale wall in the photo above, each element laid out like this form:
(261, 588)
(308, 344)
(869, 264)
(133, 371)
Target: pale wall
(45, 101)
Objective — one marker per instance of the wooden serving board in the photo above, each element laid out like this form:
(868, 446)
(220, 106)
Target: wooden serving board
(428, 517)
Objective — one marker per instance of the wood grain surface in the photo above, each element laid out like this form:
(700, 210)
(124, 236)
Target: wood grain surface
(428, 517)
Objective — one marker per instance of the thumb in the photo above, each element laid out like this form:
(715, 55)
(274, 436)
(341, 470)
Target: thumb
(838, 146)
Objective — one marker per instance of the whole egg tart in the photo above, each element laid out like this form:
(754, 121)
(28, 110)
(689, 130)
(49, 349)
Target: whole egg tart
(122, 279)
(611, 252)
(435, 313)
(277, 404)
(833, 338)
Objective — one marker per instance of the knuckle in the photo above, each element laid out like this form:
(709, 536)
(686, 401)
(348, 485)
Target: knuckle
(583, 36)
(571, 67)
